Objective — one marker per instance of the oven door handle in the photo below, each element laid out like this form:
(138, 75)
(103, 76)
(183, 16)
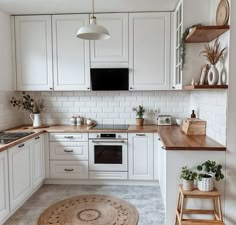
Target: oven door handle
(108, 141)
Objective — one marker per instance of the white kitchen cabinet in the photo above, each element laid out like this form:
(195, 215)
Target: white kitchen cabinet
(162, 168)
(140, 148)
(4, 193)
(69, 151)
(149, 51)
(115, 49)
(38, 161)
(19, 174)
(178, 25)
(33, 53)
(70, 54)
(69, 169)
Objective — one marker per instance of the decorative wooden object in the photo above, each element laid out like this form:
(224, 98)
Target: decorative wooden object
(181, 211)
(90, 210)
(194, 127)
(201, 87)
(201, 34)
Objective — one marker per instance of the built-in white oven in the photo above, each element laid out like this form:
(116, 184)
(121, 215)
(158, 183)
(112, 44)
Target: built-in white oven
(108, 152)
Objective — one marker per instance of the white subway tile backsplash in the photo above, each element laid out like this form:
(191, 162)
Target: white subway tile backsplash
(212, 107)
(111, 107)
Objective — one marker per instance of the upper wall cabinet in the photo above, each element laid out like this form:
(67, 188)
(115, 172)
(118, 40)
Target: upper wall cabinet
(115, 49)
(149, 51)
(70, 54)
(33, 53)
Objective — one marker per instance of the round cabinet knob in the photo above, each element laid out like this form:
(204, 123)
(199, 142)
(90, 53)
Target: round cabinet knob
(50, 88)
(88, 88)
(173, 87)
(98, 136)
(131, 88)
(119, 136)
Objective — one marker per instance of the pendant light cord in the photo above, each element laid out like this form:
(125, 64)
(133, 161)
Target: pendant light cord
(93, 8)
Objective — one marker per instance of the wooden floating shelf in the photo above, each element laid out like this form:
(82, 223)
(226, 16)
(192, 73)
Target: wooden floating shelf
(203, 34)
(205, 87)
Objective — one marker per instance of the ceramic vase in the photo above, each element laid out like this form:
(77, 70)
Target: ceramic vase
(139, 122)
(188, 185)
(206, 184)
(213, 75)
(36, 119)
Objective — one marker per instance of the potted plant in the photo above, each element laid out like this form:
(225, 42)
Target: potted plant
(139, 114)
(210, 170)
(188, 177)
(26, 103)
(213, 53)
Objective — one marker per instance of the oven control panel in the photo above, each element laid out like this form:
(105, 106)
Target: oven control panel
(108, 135)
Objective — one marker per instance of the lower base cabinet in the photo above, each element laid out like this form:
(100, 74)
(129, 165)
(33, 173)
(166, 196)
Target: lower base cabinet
(69, 169)
(141, 161)
(19, 174)
(4, 193)
(38, 160)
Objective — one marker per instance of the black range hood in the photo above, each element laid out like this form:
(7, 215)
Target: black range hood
(110, 79)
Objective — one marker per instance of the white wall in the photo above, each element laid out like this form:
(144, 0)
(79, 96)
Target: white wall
(231, 128)
(111, 107)
(8, 117)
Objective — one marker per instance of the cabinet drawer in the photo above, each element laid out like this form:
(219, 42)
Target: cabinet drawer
(69, 169)
(69, 150)
(68, 137)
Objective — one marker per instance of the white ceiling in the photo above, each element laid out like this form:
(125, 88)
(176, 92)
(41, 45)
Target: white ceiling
(83, 6)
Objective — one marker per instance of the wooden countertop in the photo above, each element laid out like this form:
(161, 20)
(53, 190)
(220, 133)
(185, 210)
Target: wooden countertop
(174, 139)
(172, 136)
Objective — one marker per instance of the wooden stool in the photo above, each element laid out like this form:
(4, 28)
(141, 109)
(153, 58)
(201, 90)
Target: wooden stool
(196, 194)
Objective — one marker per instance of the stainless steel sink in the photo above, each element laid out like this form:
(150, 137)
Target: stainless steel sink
(8, 137)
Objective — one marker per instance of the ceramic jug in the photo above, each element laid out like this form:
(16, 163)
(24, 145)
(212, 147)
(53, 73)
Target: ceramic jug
(36, 120)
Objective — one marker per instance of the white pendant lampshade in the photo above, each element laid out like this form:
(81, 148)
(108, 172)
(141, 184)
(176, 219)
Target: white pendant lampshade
(93, 31)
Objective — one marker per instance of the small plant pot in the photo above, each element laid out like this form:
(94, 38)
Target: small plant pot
(188, 185)
(139, 122)
(206, 184)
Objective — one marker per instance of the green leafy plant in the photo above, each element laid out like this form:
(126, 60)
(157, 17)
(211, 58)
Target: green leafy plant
(139, 111)
(188, 174)
(212, 53)
(27, 103)
(211, 169)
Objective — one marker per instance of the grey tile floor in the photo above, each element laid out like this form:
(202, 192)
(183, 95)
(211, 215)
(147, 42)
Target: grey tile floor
(146, 199)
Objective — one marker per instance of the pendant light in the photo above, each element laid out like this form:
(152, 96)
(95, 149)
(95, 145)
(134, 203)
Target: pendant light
(93, 31)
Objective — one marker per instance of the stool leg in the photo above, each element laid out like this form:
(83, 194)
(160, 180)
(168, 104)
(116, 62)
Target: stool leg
(177, 209)
(215, 209)
(182, 207)
(220, 209)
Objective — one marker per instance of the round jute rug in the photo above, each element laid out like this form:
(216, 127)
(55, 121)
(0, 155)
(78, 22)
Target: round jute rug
(90, 210)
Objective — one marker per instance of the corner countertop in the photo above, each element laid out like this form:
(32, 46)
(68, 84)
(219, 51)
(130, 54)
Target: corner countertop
(172, 136)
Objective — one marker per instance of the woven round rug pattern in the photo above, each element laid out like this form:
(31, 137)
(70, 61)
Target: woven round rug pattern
(90, 210)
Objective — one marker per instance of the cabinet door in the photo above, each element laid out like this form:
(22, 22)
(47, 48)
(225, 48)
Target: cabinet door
(4, 193)
(115, 49)
(178, 32)
(38, 160)
(33, 53)
(149, 51)
(140, 156)
(71, 54)
(19, 174)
